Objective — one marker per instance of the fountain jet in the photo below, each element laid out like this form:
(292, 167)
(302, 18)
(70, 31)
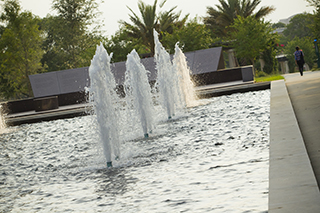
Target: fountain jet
(138, 92)
(102, 95)
(2, 121)
(167, 79)
(188, 94)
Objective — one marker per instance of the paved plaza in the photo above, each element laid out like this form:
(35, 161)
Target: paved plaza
(294, 172)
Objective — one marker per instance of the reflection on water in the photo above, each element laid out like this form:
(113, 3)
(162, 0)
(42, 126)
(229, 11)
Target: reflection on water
(212, 158)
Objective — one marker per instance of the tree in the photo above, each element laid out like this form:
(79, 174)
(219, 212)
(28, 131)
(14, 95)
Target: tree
(315, 26)
(307, 46)
(219, 19)
(299, 26)
(68, 36)
(251, 38)
(278, 25)
(52, 58)
(314, 3)
(193, 36)
(142, 28)
(20, 54)
(269, 54)
(121, 46)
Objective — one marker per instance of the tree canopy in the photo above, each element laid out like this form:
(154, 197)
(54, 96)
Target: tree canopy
(251, 37)
(68, 38)
(21, 52)
(224, 15)
(314, 3)
(299, 26)
(315, 26)
(142, 27)
(278, 25)
(193, 36)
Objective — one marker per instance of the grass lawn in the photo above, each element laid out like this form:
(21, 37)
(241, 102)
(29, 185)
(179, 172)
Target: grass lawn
(269, 78)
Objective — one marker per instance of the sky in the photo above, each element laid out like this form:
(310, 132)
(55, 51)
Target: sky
(115, 10)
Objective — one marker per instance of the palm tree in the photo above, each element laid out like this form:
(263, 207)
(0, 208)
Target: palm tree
(225, 14)
(142, 28)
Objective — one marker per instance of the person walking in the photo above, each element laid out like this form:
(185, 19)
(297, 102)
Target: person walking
(299, 58)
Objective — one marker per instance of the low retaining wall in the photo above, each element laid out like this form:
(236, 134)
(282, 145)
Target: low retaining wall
(18, 106)
(29, 104)
(244, 74)
(46, 103)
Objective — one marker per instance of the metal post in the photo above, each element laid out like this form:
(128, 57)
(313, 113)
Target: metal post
(317, 51)
(109, 164)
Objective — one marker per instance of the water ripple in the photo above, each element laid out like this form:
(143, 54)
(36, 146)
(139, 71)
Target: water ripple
(210, 158)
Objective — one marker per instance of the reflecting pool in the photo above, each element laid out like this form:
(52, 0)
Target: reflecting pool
(209, 158)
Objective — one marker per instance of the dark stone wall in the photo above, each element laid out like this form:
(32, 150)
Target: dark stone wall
(31, 104)
(46, 103)
(201, 79)
(18, 106)
(72, 98)
(215, 77)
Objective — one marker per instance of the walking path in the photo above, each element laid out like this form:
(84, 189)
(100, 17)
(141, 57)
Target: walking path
(295, 144)
(304, 93)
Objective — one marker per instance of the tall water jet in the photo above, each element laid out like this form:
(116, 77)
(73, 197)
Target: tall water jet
(138, 91)
(185, 82)
(167, 79)
(2, 121)
(102, 95)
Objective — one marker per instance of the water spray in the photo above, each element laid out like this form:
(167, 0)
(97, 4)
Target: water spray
(167, 79)
(138, 92)
(103, 97)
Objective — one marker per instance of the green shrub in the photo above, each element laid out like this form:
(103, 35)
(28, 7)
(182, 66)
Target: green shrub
(268, 78)
(260, 74)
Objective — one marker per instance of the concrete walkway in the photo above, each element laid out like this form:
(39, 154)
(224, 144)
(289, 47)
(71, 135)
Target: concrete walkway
(304, 92)
(294, 140)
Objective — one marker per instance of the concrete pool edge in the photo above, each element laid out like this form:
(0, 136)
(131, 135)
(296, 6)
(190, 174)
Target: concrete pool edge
(292, 183)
